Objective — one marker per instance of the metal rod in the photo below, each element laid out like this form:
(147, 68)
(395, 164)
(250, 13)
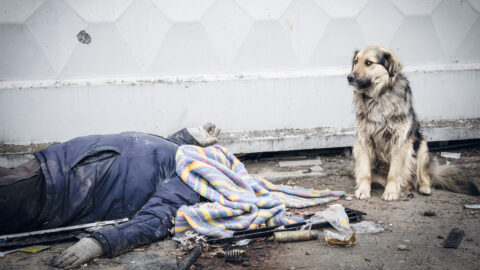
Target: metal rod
(62, 229)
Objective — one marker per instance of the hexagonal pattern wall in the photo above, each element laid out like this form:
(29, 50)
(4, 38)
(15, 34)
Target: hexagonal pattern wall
(157, 37)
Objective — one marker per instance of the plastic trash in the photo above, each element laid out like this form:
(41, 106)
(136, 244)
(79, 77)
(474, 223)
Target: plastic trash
(337, 217)
(337, 239)
(450, 155)
(366, 227)
(243, 242)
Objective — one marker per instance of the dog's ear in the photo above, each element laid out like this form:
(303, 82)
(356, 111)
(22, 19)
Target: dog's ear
(392, 64)
(354, 55)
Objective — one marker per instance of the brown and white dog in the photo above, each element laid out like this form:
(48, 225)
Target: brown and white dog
(389, 147)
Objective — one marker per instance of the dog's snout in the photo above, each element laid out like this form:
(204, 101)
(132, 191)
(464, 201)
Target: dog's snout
(350, 77)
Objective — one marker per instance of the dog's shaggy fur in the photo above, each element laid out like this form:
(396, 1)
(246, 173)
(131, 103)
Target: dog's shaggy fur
(389, 148)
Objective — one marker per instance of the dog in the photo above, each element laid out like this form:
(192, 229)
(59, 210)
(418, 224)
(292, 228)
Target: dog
(389, 148)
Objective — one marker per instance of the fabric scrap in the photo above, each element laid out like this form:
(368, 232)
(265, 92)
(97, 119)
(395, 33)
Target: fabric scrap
(238, 200)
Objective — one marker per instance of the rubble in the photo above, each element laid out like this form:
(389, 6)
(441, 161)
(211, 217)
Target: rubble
(402, 247)
(190, 240)
(429, 213)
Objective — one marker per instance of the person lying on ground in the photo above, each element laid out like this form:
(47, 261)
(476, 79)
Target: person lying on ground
(101, 177)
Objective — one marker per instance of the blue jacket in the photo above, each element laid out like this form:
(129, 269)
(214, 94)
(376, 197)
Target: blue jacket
(104, 177)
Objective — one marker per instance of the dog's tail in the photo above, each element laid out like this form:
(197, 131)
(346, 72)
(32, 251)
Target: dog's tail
(449, 177)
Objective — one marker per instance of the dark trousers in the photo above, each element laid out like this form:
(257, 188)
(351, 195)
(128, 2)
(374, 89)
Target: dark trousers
(22, 195)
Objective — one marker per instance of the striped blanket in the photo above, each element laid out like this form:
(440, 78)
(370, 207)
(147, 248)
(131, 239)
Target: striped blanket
(238, 201)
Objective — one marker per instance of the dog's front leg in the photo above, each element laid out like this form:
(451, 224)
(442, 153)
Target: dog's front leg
(363, 170)
(398, 172)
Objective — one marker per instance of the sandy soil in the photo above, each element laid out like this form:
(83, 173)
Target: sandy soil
(404, 222)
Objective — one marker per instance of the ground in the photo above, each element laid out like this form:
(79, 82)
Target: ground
(404, 221)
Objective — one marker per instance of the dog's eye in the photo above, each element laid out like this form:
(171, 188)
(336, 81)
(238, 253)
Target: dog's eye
(368, 63)
(355, 62)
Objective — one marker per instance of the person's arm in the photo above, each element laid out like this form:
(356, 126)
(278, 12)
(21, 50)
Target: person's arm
(201, 136)
(182, 137)
(149, 224)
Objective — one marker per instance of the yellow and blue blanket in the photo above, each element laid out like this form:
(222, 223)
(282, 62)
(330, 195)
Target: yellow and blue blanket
(239, 201)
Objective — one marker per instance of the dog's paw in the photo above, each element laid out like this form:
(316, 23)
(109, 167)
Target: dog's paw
(425, 190)
(390, 196)
(362, 194)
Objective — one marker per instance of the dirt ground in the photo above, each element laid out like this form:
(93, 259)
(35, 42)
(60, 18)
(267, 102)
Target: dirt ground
(404, 221)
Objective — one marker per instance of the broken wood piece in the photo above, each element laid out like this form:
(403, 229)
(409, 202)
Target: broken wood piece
(190, 259)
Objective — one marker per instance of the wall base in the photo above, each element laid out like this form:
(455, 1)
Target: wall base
(286, 140)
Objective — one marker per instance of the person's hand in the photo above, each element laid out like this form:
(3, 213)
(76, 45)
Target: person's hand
(206, 135)
(83, 251)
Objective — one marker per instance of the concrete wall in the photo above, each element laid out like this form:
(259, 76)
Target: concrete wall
(258, 69)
